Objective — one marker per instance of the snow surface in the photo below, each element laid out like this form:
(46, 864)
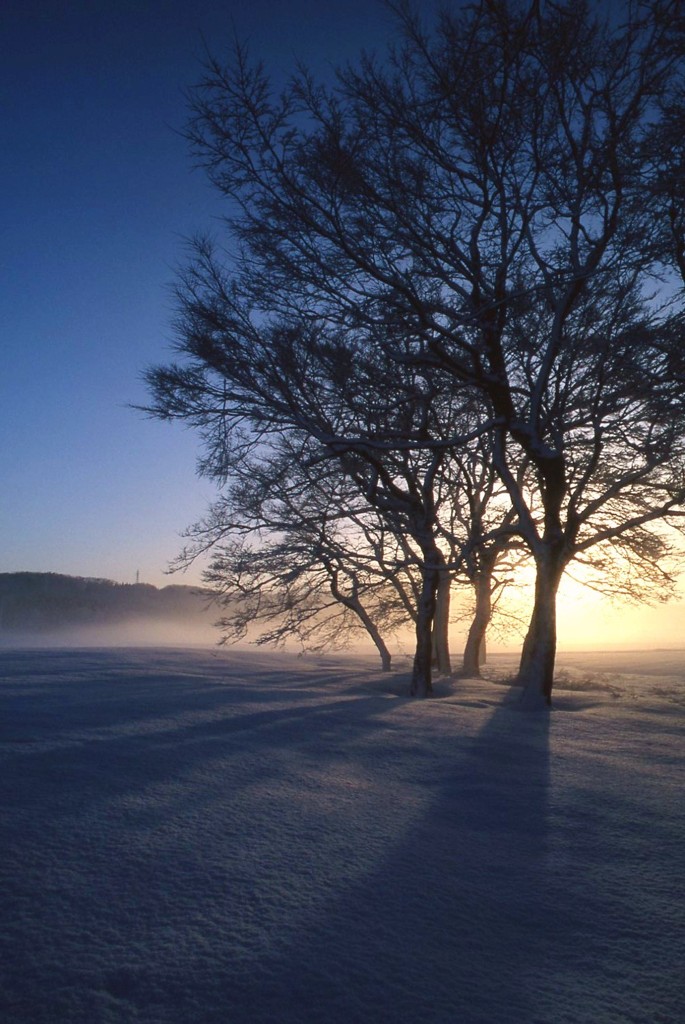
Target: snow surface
(199, 836)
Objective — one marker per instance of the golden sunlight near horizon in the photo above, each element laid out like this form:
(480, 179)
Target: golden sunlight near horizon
(587, 619)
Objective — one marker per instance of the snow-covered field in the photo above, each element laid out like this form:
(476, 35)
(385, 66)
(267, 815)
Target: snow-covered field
(239, 838)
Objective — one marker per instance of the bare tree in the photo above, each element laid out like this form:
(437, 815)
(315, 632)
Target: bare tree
(255, 382)
(481, 527)
(471, 226)
(296, 552)
(526, 125)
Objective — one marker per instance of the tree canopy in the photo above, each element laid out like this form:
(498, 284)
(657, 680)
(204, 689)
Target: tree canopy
(473, 242)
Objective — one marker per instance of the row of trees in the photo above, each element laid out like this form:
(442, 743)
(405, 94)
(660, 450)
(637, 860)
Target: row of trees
(446, 326)
(35, 602)
(299, 549)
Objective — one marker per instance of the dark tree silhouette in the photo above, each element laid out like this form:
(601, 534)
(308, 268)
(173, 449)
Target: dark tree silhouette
(471, 225)
(257, 380)
(298, 553)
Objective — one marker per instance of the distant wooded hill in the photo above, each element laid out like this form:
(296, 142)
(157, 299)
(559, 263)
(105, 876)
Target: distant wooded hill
(35, 602)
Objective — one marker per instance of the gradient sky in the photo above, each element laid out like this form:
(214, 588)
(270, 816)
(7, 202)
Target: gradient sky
(99, 194)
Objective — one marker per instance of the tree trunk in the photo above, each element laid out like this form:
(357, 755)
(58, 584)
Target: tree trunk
(373, 631)
(386, 659)
(354, 604)
(421, 679)
(474, 651)
(536, 670)
(385, 655)
(441, 623)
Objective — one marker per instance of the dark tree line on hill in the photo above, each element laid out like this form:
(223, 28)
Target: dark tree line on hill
(36, 602)
(445, 326)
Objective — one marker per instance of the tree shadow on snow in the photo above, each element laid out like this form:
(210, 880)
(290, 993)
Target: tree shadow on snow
(337, 859)
(449, 925)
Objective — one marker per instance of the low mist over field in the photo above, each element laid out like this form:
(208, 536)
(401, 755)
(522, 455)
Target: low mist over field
(48, 609)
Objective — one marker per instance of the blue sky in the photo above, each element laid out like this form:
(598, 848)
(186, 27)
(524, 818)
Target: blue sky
(99, 193)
